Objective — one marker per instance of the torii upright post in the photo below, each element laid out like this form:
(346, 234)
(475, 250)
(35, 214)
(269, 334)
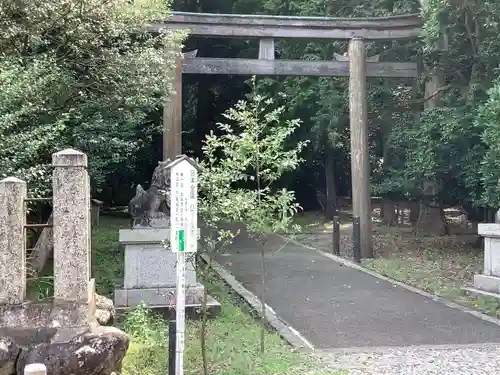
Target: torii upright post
(360, 162)
(172, 111)
(172, 115)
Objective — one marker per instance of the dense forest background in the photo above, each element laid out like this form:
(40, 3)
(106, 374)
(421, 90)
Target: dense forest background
(455, 145)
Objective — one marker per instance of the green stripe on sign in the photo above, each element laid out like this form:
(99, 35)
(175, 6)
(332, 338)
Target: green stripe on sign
(181, 240)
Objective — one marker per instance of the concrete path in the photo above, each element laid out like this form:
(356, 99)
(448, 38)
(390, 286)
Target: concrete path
(335, 306)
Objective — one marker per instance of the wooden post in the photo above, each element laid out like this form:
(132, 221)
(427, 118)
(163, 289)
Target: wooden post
(360, 163)
(172, 116)
(172, 111)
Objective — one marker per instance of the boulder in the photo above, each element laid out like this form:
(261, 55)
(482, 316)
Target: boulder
(8, 356)
(105, 312)
(99, 352)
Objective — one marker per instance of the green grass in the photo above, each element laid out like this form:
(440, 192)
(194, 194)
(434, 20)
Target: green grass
(108, 254)
(232, 338)
(232, 348)
(438, 271)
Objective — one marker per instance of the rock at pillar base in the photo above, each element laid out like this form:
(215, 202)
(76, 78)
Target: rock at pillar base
(8, 355)
(105, 312)
(55, 333)
(99, 352)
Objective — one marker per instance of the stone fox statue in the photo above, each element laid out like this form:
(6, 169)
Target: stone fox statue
(147, 203)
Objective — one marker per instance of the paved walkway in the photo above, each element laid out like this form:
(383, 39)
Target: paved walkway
(335, 306)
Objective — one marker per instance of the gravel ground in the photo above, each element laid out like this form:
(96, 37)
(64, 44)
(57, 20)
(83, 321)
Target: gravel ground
(442, 360)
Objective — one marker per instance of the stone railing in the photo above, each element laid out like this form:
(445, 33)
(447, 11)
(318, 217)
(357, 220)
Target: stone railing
(59, 335)
(71, 231)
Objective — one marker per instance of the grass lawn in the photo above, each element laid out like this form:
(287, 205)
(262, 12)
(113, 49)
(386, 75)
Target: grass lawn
(440, 271)
(233, 337)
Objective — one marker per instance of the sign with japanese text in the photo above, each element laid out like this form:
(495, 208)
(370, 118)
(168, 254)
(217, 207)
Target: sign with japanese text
(184, 206)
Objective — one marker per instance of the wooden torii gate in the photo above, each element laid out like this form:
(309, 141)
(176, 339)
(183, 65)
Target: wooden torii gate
(269, 28)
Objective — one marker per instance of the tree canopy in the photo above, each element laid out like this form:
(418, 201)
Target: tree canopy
(84, 74)
(81, 74)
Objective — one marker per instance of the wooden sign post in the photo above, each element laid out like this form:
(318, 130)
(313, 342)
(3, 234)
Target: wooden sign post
(183, 237)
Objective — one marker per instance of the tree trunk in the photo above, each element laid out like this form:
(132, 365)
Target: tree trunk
(331, 189)
(414, 212)
(430, 219)
(388, 211)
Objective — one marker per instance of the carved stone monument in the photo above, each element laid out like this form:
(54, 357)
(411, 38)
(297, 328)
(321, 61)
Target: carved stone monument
(150, 266)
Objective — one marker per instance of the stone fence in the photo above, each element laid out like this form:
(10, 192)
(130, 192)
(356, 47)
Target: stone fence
(71, 231)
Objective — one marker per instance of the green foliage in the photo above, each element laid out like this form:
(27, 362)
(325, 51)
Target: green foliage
(489, 118)
(67, 83)
(452, 144)
(231, 336)
(241, 166)
(81, 74)
(444, 146)
(144, 327)
(245, 161)
(435, 15)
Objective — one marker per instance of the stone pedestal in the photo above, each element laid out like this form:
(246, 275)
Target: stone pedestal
(488, 283)
(150, 274)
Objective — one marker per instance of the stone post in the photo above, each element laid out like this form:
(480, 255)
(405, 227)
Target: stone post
(12, 254)
(71, 212)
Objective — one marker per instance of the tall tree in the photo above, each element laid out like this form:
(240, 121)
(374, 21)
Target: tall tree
(82, 74)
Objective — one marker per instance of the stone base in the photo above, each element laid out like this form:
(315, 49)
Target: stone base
(487, 283)
(162, 300)
(473, 292)
(52, 321)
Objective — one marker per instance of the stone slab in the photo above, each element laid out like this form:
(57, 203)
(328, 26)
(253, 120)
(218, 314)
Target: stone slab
(474, 292)
(492, 256)
(162, 300)
(32, 323)
(155, 296)
(489, 230)
(149, 265)
(157, 233)
(487, 283)
(334, 306)
(144, 235)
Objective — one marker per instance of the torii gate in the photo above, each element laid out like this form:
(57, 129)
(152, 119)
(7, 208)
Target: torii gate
(267, 29)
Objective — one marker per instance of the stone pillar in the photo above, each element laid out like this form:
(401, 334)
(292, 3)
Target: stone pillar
(12, 239)
(71, 213)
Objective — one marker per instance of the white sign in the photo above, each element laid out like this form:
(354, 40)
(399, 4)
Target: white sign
(184, 206)
(183, 238)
